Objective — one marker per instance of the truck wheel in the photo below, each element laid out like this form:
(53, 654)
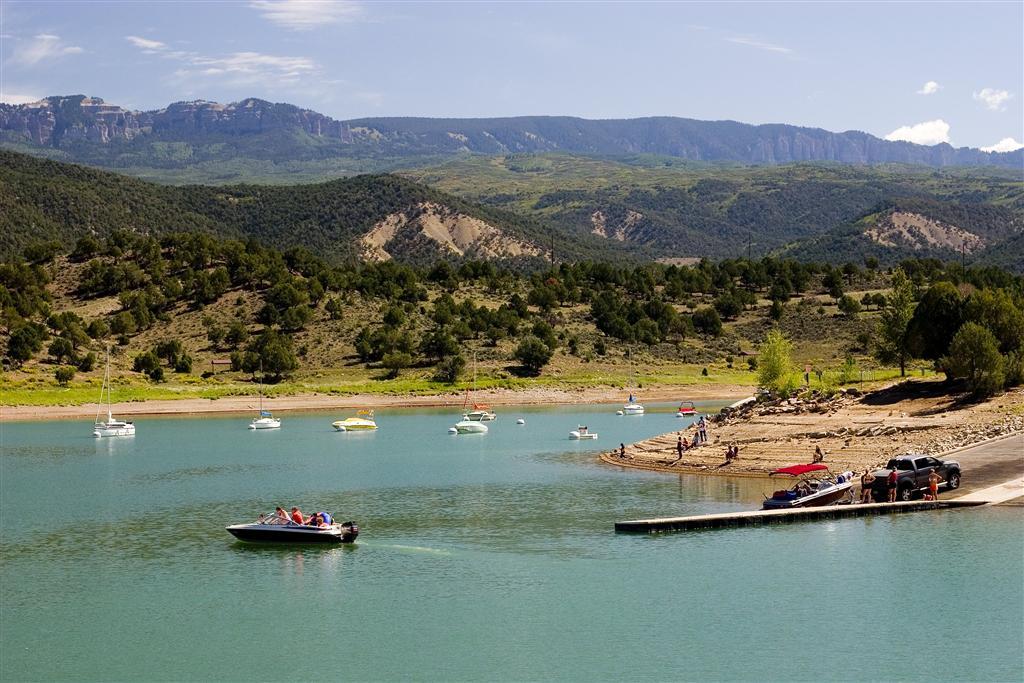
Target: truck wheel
(906, 493)
(953, 481)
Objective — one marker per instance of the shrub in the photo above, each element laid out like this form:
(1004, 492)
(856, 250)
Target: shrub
(183, 363)
(706, 320)
(87, 362)
(63, 375)
(775, 361)
(395, 362)
(533, 354)
(974, 355)
(449, 369)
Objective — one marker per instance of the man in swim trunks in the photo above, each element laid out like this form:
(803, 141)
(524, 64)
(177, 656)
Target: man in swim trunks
(933, 484)
(297, 516)
(890, 482)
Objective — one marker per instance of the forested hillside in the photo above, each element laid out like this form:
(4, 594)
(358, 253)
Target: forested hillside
(813, 211)
(171, 305)
(47, 200)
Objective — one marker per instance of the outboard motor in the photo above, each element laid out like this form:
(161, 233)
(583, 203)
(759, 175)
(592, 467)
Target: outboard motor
(349, 532)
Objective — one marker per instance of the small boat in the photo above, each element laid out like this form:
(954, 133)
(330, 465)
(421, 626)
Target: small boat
(466, 426)
(480, 413)
(273, 529)
(687, 409)
(815, 486)
(520, 421)
(264, 418)
(109, 426)
(581, 432)
(632, 408)
(362, 422)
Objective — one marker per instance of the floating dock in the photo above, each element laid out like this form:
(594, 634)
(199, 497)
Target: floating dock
(763, 517)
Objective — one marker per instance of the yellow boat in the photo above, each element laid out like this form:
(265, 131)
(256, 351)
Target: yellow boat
(362, 422)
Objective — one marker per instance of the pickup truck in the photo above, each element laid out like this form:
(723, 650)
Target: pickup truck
(912, 476)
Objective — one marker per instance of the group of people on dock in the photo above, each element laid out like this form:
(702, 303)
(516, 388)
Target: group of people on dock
(317, 519)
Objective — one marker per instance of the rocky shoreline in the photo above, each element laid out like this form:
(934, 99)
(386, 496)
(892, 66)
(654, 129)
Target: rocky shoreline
(855, 431)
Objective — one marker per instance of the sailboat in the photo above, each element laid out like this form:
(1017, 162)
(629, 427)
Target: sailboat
(264, 419)
(110, 426)
(472, 421)
(632, 407)
(480, 412)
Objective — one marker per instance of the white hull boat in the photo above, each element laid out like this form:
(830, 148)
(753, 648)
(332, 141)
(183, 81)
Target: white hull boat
(480, 415)
(581, 433)
(470, 427)
(632, 409)
(268, 422)
(110, 426)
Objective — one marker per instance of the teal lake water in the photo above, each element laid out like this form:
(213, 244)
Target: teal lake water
(481, 558)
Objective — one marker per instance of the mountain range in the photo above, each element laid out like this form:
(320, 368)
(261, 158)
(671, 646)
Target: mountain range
(295, 140)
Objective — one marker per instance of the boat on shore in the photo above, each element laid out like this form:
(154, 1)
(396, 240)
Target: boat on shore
(273, 529)
(109, 426)
(362, 422)
(814, 486)
(581, 433)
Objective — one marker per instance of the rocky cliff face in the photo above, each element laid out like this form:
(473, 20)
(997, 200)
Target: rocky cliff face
(57, 121)
(61, 121)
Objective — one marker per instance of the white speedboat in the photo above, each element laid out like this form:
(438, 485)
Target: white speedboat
(582, 433)
(362, 422)
(466, 426)
(109, 426)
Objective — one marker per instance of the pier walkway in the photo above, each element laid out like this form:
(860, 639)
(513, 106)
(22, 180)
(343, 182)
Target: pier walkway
(993, 473)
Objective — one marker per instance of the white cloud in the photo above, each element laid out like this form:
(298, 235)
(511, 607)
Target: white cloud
(145, 43)
(929, 88)
(750, 42)
(926, 133)
(1004, 145)
(993, 99)
(302, 15)
(42, 47)
(236, 69)
(18, 98)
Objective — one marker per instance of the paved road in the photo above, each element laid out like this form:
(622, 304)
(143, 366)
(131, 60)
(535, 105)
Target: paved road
(990, 464)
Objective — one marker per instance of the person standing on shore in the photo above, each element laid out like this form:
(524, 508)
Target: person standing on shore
(890, 482)
(866, 480)
(933, 484)
(679, 448)
(622, 450)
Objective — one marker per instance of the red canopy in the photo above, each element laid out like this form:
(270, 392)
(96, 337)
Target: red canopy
(796, 470)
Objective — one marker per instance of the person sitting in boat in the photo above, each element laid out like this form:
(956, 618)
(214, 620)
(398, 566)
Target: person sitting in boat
(280, 516)
(297, 516)
(325, 517)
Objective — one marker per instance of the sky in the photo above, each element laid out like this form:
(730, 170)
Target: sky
(927, 72)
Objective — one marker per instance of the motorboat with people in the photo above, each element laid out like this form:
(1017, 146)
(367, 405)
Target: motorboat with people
(581, 433)
(813, 486)
(274, 528)
(264, 418)
(362, 422)
(109, 426)
(632, 407)
(687, 409)
(466, 426)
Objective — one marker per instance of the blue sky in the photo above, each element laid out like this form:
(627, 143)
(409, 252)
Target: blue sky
(928, 72)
